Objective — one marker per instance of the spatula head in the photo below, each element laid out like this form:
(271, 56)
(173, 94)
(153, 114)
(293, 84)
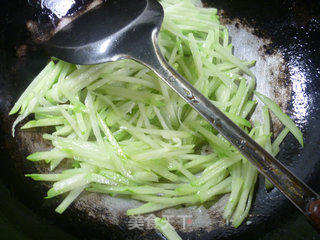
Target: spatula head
(112, 31)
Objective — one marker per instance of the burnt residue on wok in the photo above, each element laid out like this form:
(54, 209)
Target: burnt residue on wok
(291, 28)
(52, 15)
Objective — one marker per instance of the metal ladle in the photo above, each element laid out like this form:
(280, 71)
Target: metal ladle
(122, 29)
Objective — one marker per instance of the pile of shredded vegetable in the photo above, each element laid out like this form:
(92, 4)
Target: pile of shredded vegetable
(125, 133)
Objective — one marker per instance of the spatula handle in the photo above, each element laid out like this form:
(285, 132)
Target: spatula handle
(314, 211)
(302, 196)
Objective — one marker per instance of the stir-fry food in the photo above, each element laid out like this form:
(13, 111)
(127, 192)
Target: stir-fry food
(123, 132)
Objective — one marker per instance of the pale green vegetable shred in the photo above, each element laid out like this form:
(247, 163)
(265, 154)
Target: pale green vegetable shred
(166, 229)
(125, 133)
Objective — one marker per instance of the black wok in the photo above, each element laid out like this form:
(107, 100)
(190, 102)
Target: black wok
(291, 28)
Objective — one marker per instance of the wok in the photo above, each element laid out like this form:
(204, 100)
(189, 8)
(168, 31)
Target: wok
(286, 36)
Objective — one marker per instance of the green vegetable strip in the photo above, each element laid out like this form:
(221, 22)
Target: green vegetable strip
(166, 200)
(71, 121)
(166, 229)
(200, 160)
(53, 154)
(46, 177)
(222, 187)
(238, 220)
(187, 189)
(43, 123)
(266, 129)
(278, 140)
(130, 189)
(147, 208)
(73, 194)
(282, 116)
(216, 168)
(28, 93)
(239, 214)
(247, 108)
(67, 185)
(33, 94)
(234, 197)
(93, 118)
(63, 131)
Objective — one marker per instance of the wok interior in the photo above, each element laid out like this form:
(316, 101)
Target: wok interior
(24, 60)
